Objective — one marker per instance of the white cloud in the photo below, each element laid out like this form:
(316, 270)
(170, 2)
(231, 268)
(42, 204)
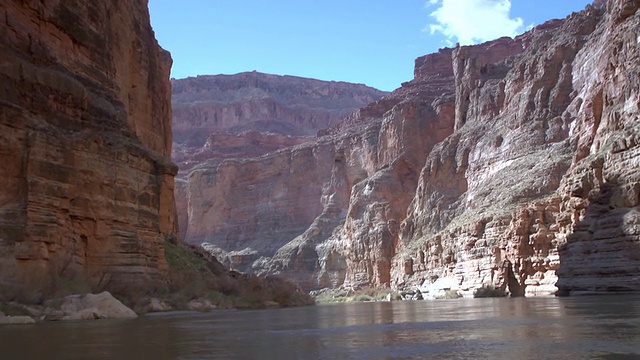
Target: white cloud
(473, 21)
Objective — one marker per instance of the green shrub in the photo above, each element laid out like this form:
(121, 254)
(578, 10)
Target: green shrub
(362, 298)
(195, 274)
(487, 291)
(10, 309)
(449, 294)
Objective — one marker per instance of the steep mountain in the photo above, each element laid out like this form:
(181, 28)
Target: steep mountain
(85, 140)
(253, 212)
(506, 167)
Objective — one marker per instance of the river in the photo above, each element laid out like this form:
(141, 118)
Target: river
(605, 327)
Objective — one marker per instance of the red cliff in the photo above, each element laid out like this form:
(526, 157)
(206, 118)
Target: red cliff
(85, 134)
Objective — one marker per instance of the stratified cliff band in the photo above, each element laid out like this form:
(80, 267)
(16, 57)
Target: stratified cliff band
(85, 135)
(510, 166)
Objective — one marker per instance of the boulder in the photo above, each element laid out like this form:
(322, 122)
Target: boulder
(157, 305)
(90, 306)
(13, 320)
(201, 305)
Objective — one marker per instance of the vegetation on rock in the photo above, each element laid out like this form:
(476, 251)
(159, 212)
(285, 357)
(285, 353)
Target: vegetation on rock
(341, 295)
(195, 274)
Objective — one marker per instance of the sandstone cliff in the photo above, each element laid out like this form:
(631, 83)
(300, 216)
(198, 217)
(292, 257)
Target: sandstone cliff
(510, 166)
(85, 140)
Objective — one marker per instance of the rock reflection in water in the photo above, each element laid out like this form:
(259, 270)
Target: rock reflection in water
(523, 328)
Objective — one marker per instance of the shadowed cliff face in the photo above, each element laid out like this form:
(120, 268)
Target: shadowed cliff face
(86, 138)
(510, 165)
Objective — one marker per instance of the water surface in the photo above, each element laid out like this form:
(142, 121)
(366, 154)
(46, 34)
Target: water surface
(605, 327)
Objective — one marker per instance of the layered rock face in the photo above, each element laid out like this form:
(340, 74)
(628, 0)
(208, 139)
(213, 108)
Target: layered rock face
(535, 191)
(506, 167)
(86, 138)
(268, 214)
(250, 114)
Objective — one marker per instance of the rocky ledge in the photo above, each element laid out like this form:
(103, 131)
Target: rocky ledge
(72, 307)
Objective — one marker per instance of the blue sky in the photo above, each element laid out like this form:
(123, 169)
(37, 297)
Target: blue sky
(372, 42)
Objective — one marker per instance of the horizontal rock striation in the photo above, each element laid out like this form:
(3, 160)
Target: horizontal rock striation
(250, 114)
(518, 199)
(86, 138)
(253, 100)
(509, 167)
(269, 214)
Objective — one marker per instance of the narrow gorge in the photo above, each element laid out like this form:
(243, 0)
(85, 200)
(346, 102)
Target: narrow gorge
(150, 216)
(509, 166)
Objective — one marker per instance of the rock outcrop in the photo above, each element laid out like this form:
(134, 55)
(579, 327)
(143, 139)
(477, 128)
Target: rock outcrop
(509, 167)
(89, 307)
(85, 138)
(16, 320)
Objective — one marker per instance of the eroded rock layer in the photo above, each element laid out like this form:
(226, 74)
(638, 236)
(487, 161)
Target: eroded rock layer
(85, 134)
(506, 167)
(535, 191)
(268, 214)
(250, 114)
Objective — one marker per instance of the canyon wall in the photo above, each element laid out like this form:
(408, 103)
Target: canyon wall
(282, 104)
(509, 167)
(250, 114)
(85, 134)
(536, 191)
(268, 214)
(247, 115)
